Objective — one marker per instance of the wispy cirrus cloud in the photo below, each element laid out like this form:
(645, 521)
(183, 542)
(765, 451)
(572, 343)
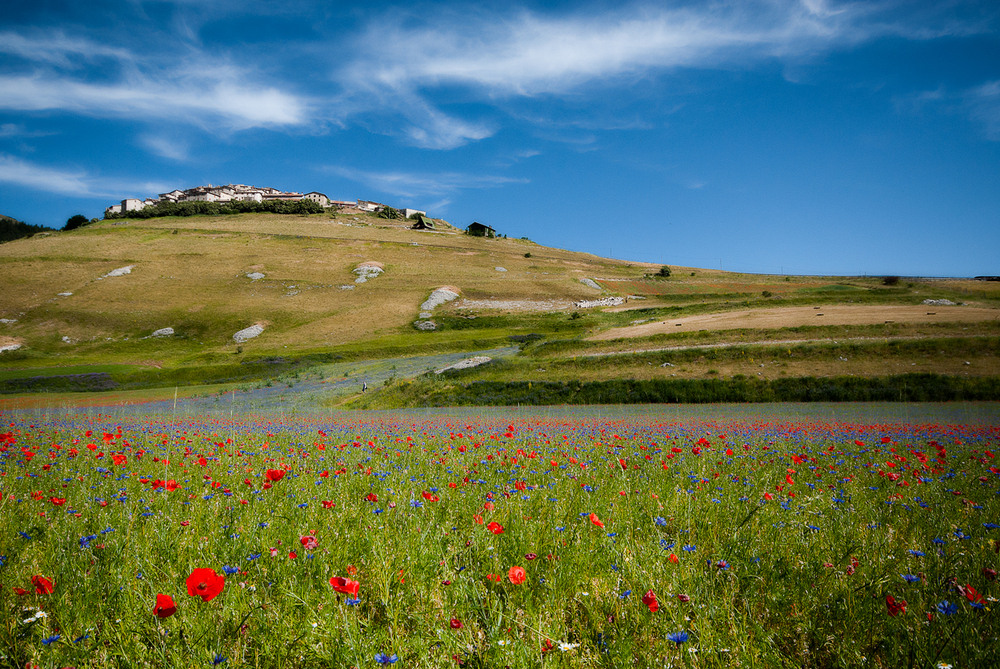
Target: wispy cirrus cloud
(188, 85)
(74, 182)
(983, 105)
(401, 60)
(422, 184)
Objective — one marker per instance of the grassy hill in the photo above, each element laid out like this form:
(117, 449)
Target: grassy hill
(73, 314)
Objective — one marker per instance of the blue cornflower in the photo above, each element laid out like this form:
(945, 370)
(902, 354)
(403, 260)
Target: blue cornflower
(661, 521)
(947, 608)
(910, 578)
(382, 658)
(352, 602)
(917, 553)
(229, 571)
(302, 506)
(85, 541)
(665, 545)
(625, 594)
(81, 638)
(990, 526)
(254, 556)
(678, 637)
(51, 639)
(416, 503)
(689, 548)
(939, 541)
(217, 660)
(24, 535)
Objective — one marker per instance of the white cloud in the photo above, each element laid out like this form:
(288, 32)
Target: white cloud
(166, 147)
(399, 59)
(56, 48)
(75, 182)
(983, 103)
(423, 184)
(184, 84)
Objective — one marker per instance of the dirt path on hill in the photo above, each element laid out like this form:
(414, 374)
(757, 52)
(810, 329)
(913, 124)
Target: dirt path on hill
(787, 317)
(759, 344)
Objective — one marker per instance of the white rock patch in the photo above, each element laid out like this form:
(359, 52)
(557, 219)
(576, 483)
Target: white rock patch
(940, 303)
(64, 294)
(9, 347)
(468, 363)
(121, 271)
(604, 302)
(8, 321)
(163, 332)
(248, 333)
(368, 270)
(500, 269)
(256, 276)
(590, 283)
(437, 298)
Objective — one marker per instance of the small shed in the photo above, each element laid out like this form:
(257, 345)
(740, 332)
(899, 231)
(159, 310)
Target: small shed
(423, 223)
(477, 229)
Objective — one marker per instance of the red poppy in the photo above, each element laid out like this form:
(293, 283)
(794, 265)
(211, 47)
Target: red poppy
(308, 542)
(673, 558)
(43, 586)
(456, 624)
(345, 585)
(595, 520)
(371, 497)
(58, 501)
(495, 527)
(430, 497)
(165, 606)
(205, 583)
(274, 474)
(516, 575)
(649, 599)
(895, 607)
(970, 593)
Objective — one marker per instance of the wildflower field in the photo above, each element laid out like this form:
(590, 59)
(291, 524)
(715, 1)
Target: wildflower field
(436, 540)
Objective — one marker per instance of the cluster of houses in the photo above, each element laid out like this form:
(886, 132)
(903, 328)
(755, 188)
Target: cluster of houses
(240, 192)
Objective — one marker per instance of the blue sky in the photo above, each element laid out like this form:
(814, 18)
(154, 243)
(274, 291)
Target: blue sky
(810, 137)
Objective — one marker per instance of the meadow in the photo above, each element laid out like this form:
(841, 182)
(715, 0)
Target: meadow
(499, 538)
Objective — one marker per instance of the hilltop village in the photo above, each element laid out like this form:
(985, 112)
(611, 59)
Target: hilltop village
(243, 193)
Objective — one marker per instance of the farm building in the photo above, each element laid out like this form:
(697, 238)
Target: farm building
(479, 230)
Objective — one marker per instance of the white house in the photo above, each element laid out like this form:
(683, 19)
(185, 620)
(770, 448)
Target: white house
(132, 204)
(410, 212)
(318, 198)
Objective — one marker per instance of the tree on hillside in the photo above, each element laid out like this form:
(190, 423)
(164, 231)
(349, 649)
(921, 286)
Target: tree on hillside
(11, 229)
(76, 221)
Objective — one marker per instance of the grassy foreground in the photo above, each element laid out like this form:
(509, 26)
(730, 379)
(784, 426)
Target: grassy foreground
(435, 541)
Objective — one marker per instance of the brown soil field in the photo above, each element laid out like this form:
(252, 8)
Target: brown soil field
(788, 317)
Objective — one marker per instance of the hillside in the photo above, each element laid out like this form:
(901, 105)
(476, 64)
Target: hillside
(89, 302)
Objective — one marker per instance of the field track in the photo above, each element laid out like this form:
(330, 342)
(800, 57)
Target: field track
(787, 317)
